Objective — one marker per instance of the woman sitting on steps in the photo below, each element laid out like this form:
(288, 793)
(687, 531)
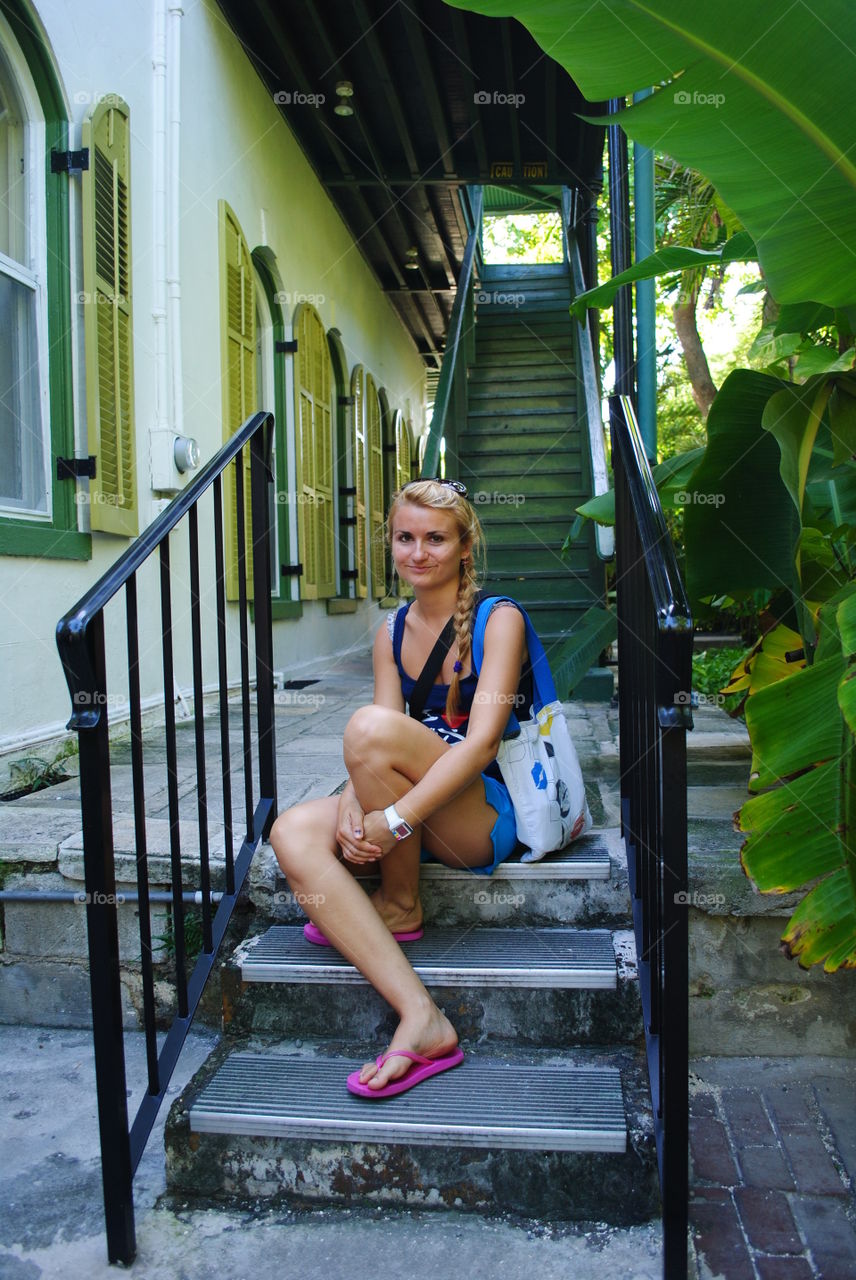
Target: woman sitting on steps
(432, 785)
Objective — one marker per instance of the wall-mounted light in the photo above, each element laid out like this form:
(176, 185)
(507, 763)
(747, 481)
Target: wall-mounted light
(186, 453)
(345, 91)
(411, 259)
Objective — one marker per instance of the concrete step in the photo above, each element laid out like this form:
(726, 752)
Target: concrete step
(538, 1134)
(511, 986)
(584, 885)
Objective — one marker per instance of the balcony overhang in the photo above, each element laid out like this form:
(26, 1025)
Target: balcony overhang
(439, 99)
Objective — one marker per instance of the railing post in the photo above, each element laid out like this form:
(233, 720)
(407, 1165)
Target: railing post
(103, 936)
(260, 478)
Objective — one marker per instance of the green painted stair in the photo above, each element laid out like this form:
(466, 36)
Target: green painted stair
(523, 457)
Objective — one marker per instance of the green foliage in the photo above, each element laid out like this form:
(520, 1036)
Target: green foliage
(712, 669)
(522, 237)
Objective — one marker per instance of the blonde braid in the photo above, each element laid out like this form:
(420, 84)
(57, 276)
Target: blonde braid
(467, 590)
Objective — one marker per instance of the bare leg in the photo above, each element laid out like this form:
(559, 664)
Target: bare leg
(304, 840)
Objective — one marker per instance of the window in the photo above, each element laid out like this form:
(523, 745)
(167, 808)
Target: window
(313, 387)
(238, 365)
(107, 317)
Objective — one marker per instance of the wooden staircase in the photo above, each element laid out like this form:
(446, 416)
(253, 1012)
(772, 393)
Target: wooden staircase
(522, 454)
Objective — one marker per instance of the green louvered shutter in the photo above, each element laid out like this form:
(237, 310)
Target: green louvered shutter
(374, 446)
(107, 317)
(358, 393)
(313, 392)
(238, 345)
(403, 455)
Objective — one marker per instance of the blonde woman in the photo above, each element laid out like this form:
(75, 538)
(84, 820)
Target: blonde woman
(416, 787)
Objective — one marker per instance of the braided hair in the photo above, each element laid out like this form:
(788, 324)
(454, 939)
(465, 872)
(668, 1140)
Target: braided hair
(430, 493)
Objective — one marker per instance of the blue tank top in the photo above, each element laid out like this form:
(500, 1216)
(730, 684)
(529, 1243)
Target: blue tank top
(434, 711)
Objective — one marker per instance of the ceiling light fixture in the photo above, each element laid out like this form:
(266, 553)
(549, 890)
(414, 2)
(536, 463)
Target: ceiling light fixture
(345, 90)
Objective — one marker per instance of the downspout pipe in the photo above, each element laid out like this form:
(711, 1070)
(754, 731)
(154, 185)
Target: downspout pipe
(646, 315)
(173, 44)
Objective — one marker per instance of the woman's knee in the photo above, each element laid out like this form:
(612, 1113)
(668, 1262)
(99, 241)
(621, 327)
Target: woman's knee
(298, 835)
(369, 733)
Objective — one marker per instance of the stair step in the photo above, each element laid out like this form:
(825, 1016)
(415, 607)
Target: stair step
(535, 272)
(504, 401)
(561, 585)
(567, 1139)
(528, 413)
(488, 375)
(513, 473)
(500, 385)
(523, 355)
(531, 315)
(485, 957)
(478, 1104)
(479, 443)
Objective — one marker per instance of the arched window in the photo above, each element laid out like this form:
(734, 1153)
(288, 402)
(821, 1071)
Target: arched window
(39, 514)
(313, 389)
(403, 451)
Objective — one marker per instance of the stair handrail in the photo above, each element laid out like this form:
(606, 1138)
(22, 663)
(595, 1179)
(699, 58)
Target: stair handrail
(81, 643)
(655, 640)
(588, 379)
(451, 366)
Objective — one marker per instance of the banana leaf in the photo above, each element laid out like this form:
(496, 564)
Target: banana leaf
(754, 100)
(740, 525)
(673, 258)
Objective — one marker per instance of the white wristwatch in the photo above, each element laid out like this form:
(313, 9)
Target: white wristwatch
(399, 828)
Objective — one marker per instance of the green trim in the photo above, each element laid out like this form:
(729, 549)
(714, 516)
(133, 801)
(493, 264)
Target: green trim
(24, 538)
(341, 604)
(282, 610)
(59, 538)
(263, 267)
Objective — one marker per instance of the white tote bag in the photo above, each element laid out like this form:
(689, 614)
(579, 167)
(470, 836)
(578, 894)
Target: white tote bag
(537, 758)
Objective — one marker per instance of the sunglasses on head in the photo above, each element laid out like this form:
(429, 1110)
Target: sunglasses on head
(457, 485)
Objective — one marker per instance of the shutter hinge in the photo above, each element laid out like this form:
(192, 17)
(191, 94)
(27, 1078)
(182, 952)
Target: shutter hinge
(75, 468)
(347, 491)
(347, 520)
(69, 161)
(389, 448)
(350, 573)
(347, 400)
(291, 570)
(286, 348)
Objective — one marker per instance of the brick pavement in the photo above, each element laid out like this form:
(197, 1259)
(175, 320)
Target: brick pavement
(773, 1165)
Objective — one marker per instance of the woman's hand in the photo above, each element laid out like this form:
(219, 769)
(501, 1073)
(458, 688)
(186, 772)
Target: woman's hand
(351, 833)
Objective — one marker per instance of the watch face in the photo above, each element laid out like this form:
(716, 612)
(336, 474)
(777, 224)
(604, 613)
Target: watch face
(402, 830)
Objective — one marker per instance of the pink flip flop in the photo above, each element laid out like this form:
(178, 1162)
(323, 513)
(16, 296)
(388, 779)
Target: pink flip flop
(312, 933)
(422, 1068)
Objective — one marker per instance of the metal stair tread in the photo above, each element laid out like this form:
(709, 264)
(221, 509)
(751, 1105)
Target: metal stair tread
(587, 859)
(480, 956)
(481, 1103)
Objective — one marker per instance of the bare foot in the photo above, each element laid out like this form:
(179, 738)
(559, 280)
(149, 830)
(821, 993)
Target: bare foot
(427, 1031)
(397, 917)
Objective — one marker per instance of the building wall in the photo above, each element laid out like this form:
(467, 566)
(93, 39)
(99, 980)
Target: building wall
(235, 145)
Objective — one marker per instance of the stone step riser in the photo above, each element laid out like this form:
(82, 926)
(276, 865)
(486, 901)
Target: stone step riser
(539, 1018)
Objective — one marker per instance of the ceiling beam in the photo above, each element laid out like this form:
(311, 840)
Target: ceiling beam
(513, 118)
(459, 27)
(428, 81)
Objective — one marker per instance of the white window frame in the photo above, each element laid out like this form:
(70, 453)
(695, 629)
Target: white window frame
(33, 272)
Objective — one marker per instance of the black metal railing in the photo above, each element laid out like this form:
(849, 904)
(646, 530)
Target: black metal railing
(452, 388)
(655, 637)
(81, 643)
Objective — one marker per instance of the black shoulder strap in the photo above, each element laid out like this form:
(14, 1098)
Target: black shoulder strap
(431, 670)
